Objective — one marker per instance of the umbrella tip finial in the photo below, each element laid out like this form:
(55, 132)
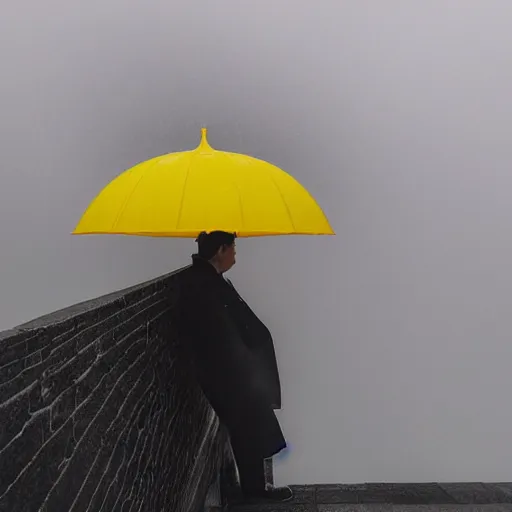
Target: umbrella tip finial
(204, 145)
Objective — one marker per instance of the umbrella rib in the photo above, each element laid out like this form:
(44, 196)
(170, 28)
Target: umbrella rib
(129, 196)
(284, 202)
(185, 181)
(240, 202)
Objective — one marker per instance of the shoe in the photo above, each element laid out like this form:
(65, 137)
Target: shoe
(271, 495)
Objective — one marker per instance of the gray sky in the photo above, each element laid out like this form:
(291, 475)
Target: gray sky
(394, 337)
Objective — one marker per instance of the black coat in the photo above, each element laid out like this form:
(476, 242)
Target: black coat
(234, 358)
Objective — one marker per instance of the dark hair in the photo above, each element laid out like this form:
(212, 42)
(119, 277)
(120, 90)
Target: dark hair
(208, 244)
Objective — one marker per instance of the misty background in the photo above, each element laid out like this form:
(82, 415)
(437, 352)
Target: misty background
(393, 337)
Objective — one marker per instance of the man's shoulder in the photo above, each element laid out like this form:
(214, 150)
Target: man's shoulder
(193, 281)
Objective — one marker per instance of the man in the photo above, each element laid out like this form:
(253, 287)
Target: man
(235, 362)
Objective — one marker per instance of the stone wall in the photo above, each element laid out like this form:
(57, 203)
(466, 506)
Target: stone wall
(99, 412)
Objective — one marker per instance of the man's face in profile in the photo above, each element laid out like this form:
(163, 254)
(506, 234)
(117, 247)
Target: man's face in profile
(227, 257)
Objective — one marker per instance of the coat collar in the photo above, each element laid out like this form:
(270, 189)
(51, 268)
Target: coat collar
(198, 262)
(205, 266)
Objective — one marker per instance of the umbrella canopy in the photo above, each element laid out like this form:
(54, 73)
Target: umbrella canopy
(183, 194)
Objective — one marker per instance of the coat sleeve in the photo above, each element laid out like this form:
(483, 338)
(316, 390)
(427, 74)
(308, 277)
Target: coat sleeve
(259, 339)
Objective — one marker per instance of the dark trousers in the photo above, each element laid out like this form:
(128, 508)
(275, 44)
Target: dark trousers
(251, 470)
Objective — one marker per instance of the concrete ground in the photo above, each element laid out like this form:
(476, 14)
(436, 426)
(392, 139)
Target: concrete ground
(463, 497)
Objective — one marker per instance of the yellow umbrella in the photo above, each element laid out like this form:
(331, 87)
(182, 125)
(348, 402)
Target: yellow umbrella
(182, 194)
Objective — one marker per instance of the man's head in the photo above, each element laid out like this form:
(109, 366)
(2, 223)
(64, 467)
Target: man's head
(217, 247)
